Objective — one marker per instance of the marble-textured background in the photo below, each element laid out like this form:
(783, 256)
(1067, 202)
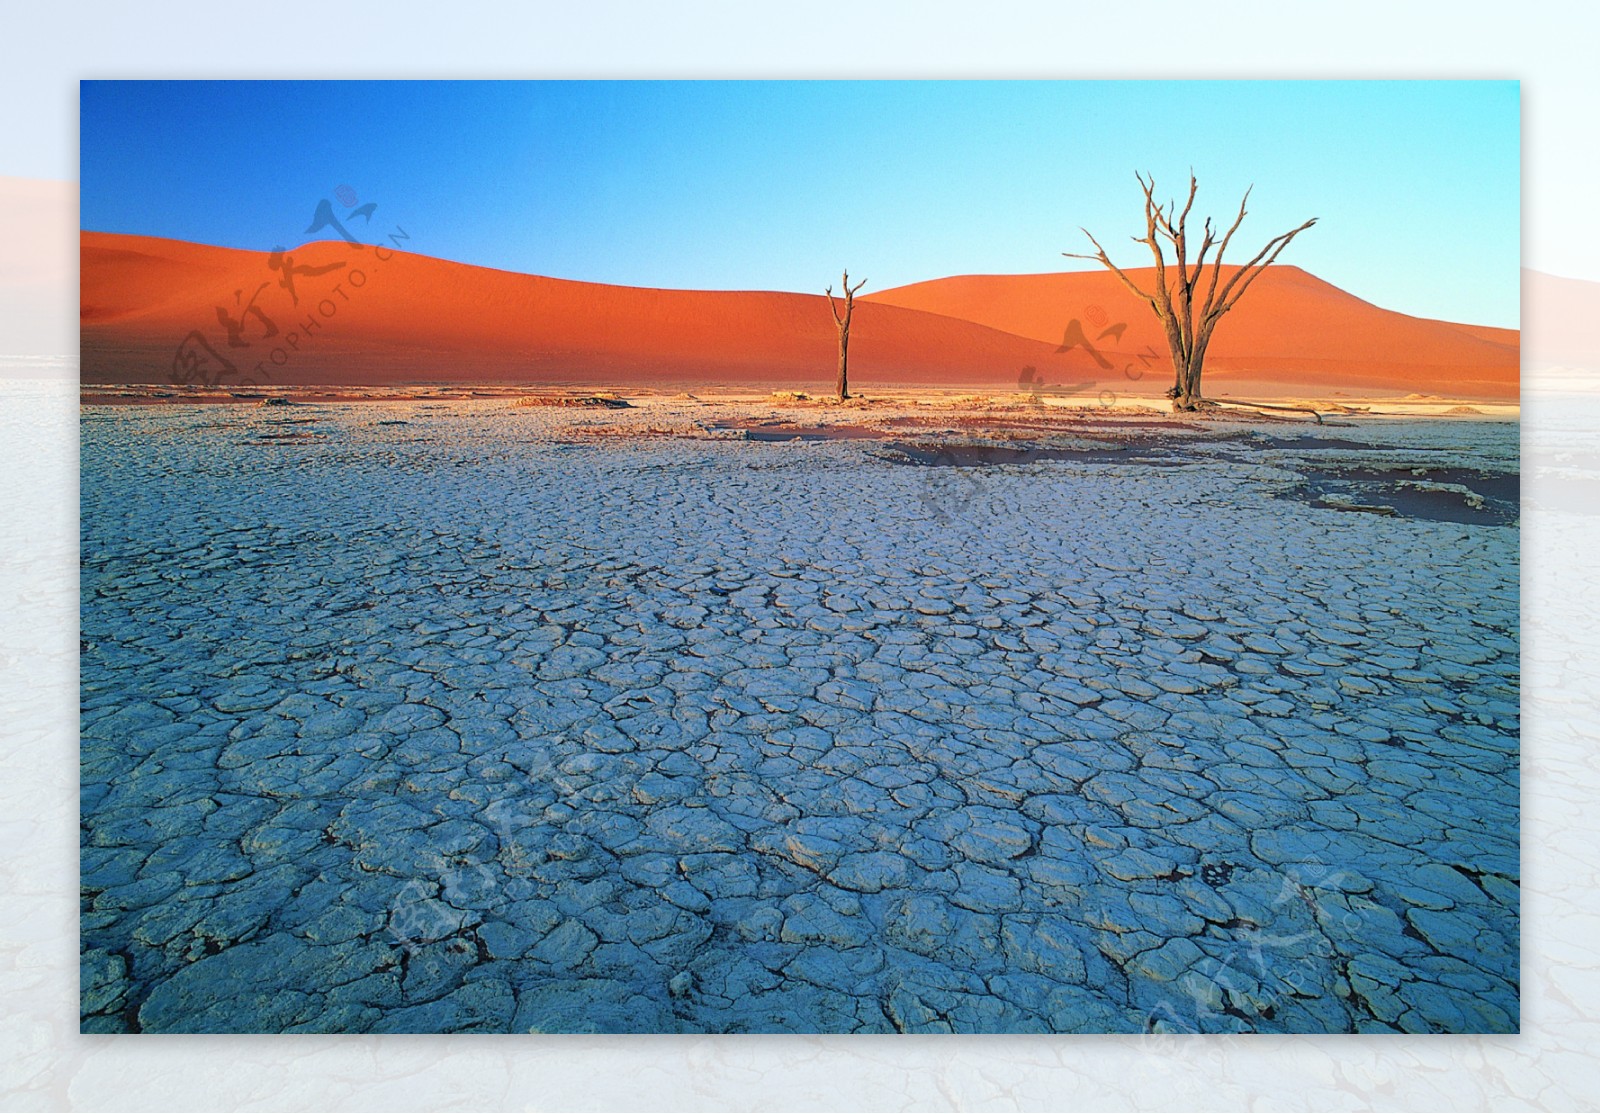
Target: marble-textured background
(45, 1064)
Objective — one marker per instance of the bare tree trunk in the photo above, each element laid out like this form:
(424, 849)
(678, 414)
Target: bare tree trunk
(842, 320)
(1190, 398)
(844, 363)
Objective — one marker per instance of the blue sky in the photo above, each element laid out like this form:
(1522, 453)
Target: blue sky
(756, 185)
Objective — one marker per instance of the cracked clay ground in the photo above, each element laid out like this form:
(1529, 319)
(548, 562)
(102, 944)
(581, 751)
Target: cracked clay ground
(410, 718)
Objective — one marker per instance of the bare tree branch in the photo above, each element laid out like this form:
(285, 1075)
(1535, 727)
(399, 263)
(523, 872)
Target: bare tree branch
(1162, 299)
(1282, 241)
(1200, 260)
(1216, 265)
(1101, 257)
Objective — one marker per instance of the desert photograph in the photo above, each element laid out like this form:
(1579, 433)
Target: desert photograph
(872, 557)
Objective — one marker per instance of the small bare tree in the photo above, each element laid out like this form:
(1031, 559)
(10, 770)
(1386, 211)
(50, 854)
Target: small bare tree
(843, 321)
(1188, 323)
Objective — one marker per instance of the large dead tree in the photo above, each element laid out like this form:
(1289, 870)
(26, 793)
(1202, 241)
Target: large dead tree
(843, 321)
(1188, 321)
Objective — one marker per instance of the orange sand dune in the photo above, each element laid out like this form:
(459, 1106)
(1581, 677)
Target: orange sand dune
(390, 317)
(369, 316)
(1290, 329)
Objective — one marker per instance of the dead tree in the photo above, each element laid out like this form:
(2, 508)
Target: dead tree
(1187, 321)
(844, 330)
